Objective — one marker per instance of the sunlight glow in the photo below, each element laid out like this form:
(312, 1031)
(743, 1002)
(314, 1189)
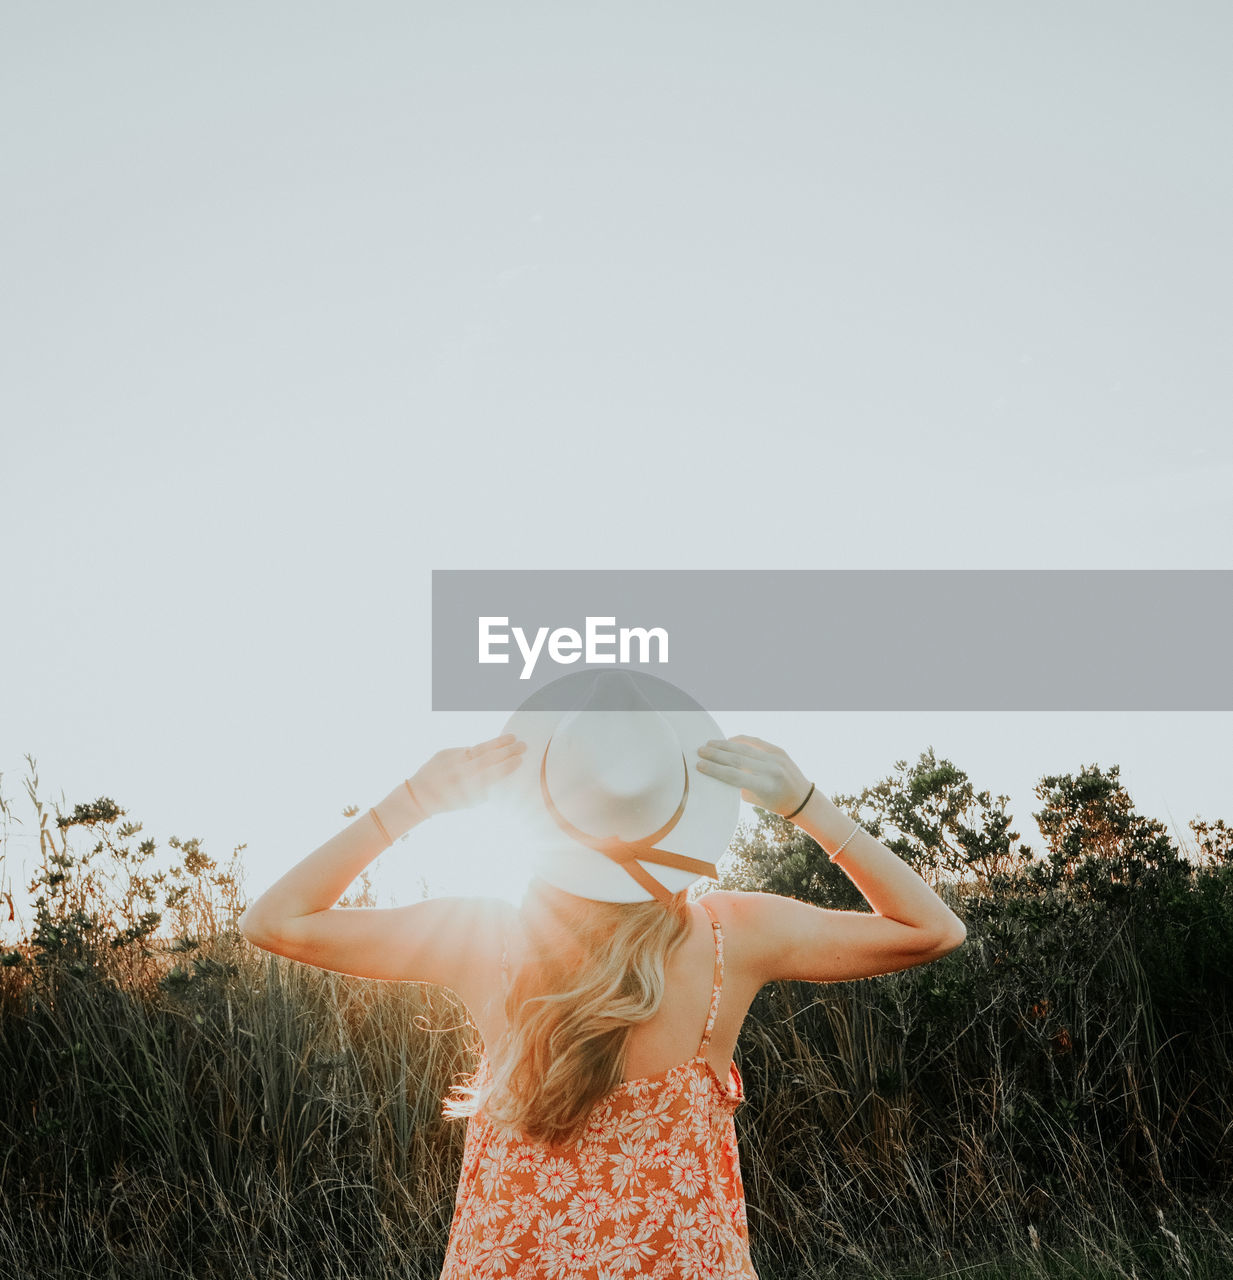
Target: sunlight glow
(469, 853)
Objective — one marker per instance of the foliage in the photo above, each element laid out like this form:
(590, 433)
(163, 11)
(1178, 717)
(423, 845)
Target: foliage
(101, 908)
(1059, 1090)
(929, 814)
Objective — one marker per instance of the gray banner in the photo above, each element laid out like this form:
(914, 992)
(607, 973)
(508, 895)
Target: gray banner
(844, 639)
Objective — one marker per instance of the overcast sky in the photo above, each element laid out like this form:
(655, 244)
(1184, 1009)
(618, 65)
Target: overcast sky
(301, 302)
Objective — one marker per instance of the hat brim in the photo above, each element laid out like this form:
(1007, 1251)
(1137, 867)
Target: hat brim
(703, 831)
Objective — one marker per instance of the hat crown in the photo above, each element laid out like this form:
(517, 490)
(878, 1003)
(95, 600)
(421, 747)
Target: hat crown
(614, 767)
(615, 775)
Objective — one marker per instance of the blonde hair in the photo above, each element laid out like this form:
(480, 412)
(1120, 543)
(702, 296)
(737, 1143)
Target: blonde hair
(568, 1019)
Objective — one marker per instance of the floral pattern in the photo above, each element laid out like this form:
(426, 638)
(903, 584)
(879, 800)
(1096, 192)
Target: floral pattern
(651, 1189)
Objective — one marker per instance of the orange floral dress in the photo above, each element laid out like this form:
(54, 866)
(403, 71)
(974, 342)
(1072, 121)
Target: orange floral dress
(652, 1188)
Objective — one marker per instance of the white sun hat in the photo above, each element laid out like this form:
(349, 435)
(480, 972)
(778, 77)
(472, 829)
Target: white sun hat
(608, 793)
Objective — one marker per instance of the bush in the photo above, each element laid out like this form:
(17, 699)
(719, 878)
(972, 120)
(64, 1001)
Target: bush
(181, 1104)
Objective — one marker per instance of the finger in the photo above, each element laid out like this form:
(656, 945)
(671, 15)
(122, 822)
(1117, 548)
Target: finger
(724, 753)
(515, 751)
(725, 773)
(492, 744)
(498, 754)
(499, 769)
(743, 745)
(766, 746)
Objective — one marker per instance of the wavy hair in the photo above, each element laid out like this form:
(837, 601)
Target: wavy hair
(568, 1019)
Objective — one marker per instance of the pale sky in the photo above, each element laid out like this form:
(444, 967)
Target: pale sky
(301, 302)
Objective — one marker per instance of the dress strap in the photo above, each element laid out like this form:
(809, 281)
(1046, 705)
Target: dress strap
(719, 979)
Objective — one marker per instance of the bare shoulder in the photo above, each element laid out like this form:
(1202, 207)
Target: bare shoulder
(488, 926)
(463, 944)
(742, 959)
(773, 938)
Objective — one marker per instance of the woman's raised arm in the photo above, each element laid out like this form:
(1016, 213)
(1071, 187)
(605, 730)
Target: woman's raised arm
(787, 939)
(423, 942)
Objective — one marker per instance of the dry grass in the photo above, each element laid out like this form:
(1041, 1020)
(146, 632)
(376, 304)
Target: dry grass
(1055, 1099)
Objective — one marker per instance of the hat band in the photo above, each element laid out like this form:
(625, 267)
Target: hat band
(628, 853)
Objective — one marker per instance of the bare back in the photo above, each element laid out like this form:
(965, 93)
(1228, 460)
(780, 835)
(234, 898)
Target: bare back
(672, 1035)
(766, 938)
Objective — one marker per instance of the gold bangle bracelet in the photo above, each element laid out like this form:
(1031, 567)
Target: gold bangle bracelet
(406, 782)
(384, 832)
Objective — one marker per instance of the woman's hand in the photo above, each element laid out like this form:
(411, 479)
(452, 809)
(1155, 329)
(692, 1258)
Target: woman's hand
(766, 775)
(459, 777)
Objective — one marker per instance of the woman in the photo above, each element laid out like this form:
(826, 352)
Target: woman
(600, 1137)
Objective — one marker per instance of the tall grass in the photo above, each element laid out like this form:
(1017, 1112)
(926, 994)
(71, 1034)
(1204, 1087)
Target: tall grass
(248, 1117)
(1053, 1099)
